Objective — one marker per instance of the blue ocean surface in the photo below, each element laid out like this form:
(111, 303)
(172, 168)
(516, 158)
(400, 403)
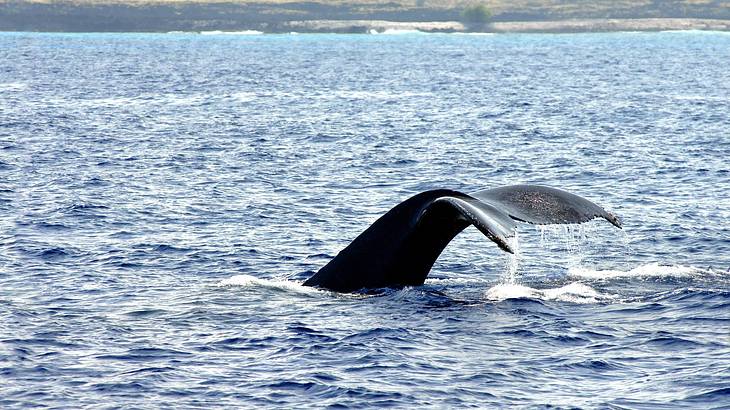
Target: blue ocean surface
(163, 196)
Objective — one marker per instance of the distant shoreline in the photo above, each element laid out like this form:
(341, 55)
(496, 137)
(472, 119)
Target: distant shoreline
(554, 26)
(609, 25)
(359, 16)
(384, 26)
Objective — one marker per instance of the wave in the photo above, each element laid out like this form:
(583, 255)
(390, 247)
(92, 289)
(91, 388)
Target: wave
(574, 292)
(234, 33)
(374, 95)
(143, 100)
(646, 270)
(696, 32)
(250, 282)
(13, 86)
(455, 281)
(397, 31)
(473, 34)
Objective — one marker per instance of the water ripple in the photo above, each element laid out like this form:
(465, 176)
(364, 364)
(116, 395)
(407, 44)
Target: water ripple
(164, 196)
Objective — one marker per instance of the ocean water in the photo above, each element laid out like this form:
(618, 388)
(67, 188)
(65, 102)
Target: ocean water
(162, 197)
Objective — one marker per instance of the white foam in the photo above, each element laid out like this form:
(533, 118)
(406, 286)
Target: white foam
(647, 270)
(244, 96)
(696, 32)
(505, 291)
(694, 97)
(473, 34)
(111, 102)
(13, 86)
(173, 99)
(574, 292)
(228, 33)
(374, 95)
(455, 281)
(145, 100)
(248, 281)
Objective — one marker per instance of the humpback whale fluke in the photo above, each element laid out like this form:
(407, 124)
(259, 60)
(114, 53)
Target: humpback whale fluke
(402, 245)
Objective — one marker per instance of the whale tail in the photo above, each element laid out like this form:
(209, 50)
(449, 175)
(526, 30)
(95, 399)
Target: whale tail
(400, 248)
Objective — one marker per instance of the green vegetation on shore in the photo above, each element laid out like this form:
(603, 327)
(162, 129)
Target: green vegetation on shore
(477, 15)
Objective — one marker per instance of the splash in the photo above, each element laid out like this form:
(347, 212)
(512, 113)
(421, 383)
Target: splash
(578, 244)
(514, 260)
(570, 237)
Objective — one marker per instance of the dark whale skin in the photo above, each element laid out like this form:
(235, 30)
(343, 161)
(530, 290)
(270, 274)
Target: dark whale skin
(400, 247)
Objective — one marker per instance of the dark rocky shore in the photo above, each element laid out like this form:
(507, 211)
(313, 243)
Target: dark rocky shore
(353, 17)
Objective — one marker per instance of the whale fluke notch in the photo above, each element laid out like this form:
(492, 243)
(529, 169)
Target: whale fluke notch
(489, 220)
(400, 247)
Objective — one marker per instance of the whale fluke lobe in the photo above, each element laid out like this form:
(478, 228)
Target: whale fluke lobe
(543, 205)
(400, 248)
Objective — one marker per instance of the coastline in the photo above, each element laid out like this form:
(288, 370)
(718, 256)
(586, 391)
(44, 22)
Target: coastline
(552, 26)
(385, 26)
(358, 16)
(609, 25)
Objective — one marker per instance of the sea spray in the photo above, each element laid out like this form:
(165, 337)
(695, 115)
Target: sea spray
(569, 242)
(571, 238)
(626, 243)
(514, 259)
(510, 286)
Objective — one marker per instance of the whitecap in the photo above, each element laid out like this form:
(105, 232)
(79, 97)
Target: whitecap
(375, 95)
(505, 291)
(646, 270)
(573, 292)
(461, 281)
(13, 86)
(244, 96)
(696, 32)
(248, 281)
(146, 100)
(174, 99)
(459, 33)
(235, 33)
(111, 102)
